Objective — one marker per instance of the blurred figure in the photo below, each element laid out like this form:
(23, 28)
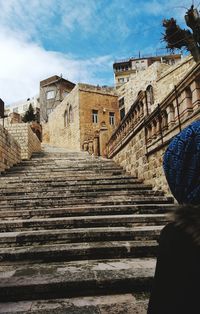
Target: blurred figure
(176, 287)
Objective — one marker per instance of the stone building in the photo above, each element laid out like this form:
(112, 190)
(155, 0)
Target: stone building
(22, 106)
(83, 113)
(156, 81)
(124, 68)
(52, 92)
(155, 113)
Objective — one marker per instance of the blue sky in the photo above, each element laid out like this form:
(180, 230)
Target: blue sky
(78, 38)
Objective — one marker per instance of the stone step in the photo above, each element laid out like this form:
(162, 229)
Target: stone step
(39, 169)
(73, 187)
(85, 210)
(106, 304)
(63, 177)
(6, 182)
(83, 222)
(66, 173)
(81, 278)
(78, 251)
(68, 201)
(78, 194)
(75, 178)
(79, 235)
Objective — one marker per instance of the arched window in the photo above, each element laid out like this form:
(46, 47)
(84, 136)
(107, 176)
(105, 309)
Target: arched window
(150, 96)
(71, 118)
(66, 118)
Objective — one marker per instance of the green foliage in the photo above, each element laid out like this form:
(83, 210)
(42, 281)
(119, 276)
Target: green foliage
(29, 115)
(178, 38)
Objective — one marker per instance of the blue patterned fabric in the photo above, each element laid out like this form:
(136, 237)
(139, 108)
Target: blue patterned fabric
(181, 165)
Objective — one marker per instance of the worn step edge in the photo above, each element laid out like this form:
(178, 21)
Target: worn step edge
(79, 251)
(76, 235)
(84, 222)
(44, 281)
(106, 304)
(76, 211)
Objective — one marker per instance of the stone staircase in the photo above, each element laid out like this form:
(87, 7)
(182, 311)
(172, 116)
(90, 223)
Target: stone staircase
(77, 235)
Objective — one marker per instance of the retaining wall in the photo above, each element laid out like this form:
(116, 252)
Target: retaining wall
(27, 140)
(10, 151)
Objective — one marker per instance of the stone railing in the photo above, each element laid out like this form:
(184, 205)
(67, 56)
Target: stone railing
(10, 151)
(180, 108)
(27, 140)
(138, 144)
(128, 126)
(97, 145)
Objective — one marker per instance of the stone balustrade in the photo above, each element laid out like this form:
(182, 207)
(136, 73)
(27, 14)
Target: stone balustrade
(174, 113)
(10, 151)
(138, 144)
(128, 125)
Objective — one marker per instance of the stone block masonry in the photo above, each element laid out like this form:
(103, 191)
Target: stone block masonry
(10, 151)
(138, 144)
(27, 140)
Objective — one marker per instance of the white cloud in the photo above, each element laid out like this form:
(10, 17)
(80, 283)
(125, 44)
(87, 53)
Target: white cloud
(23, 64)
(24, 61)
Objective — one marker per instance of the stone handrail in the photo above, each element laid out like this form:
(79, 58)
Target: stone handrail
(177, 110)
(131, 121)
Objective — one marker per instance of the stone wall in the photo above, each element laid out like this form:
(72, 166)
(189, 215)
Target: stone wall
(140, 141)
(25, 137)
(10, 151)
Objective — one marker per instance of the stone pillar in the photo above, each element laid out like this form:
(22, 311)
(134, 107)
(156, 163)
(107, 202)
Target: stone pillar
(96, 144)
(90, 147)
(85, 146)
(171, 115)
(195, 87)
(103, 139)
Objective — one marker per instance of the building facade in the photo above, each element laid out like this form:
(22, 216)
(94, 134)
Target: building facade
(52, 92)
(124, 68)
(81, 115)
(153, 119)
(156, 81)
(22, 106)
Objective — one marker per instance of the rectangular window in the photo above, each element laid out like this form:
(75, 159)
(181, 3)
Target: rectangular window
(50, 94)
(95, 116)
(111, 118)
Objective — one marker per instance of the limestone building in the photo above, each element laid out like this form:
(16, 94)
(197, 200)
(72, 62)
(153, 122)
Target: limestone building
(158, 106)
(81, 115)
(52, 92)
(22, 106)
(156, 81)
(124, 68)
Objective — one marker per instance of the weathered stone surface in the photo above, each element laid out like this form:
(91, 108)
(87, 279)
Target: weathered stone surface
(74, 278)
(74, 226)
(115, 304)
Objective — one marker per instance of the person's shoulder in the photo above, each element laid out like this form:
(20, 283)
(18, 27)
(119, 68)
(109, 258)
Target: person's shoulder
(170, 228)
(169, 233)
